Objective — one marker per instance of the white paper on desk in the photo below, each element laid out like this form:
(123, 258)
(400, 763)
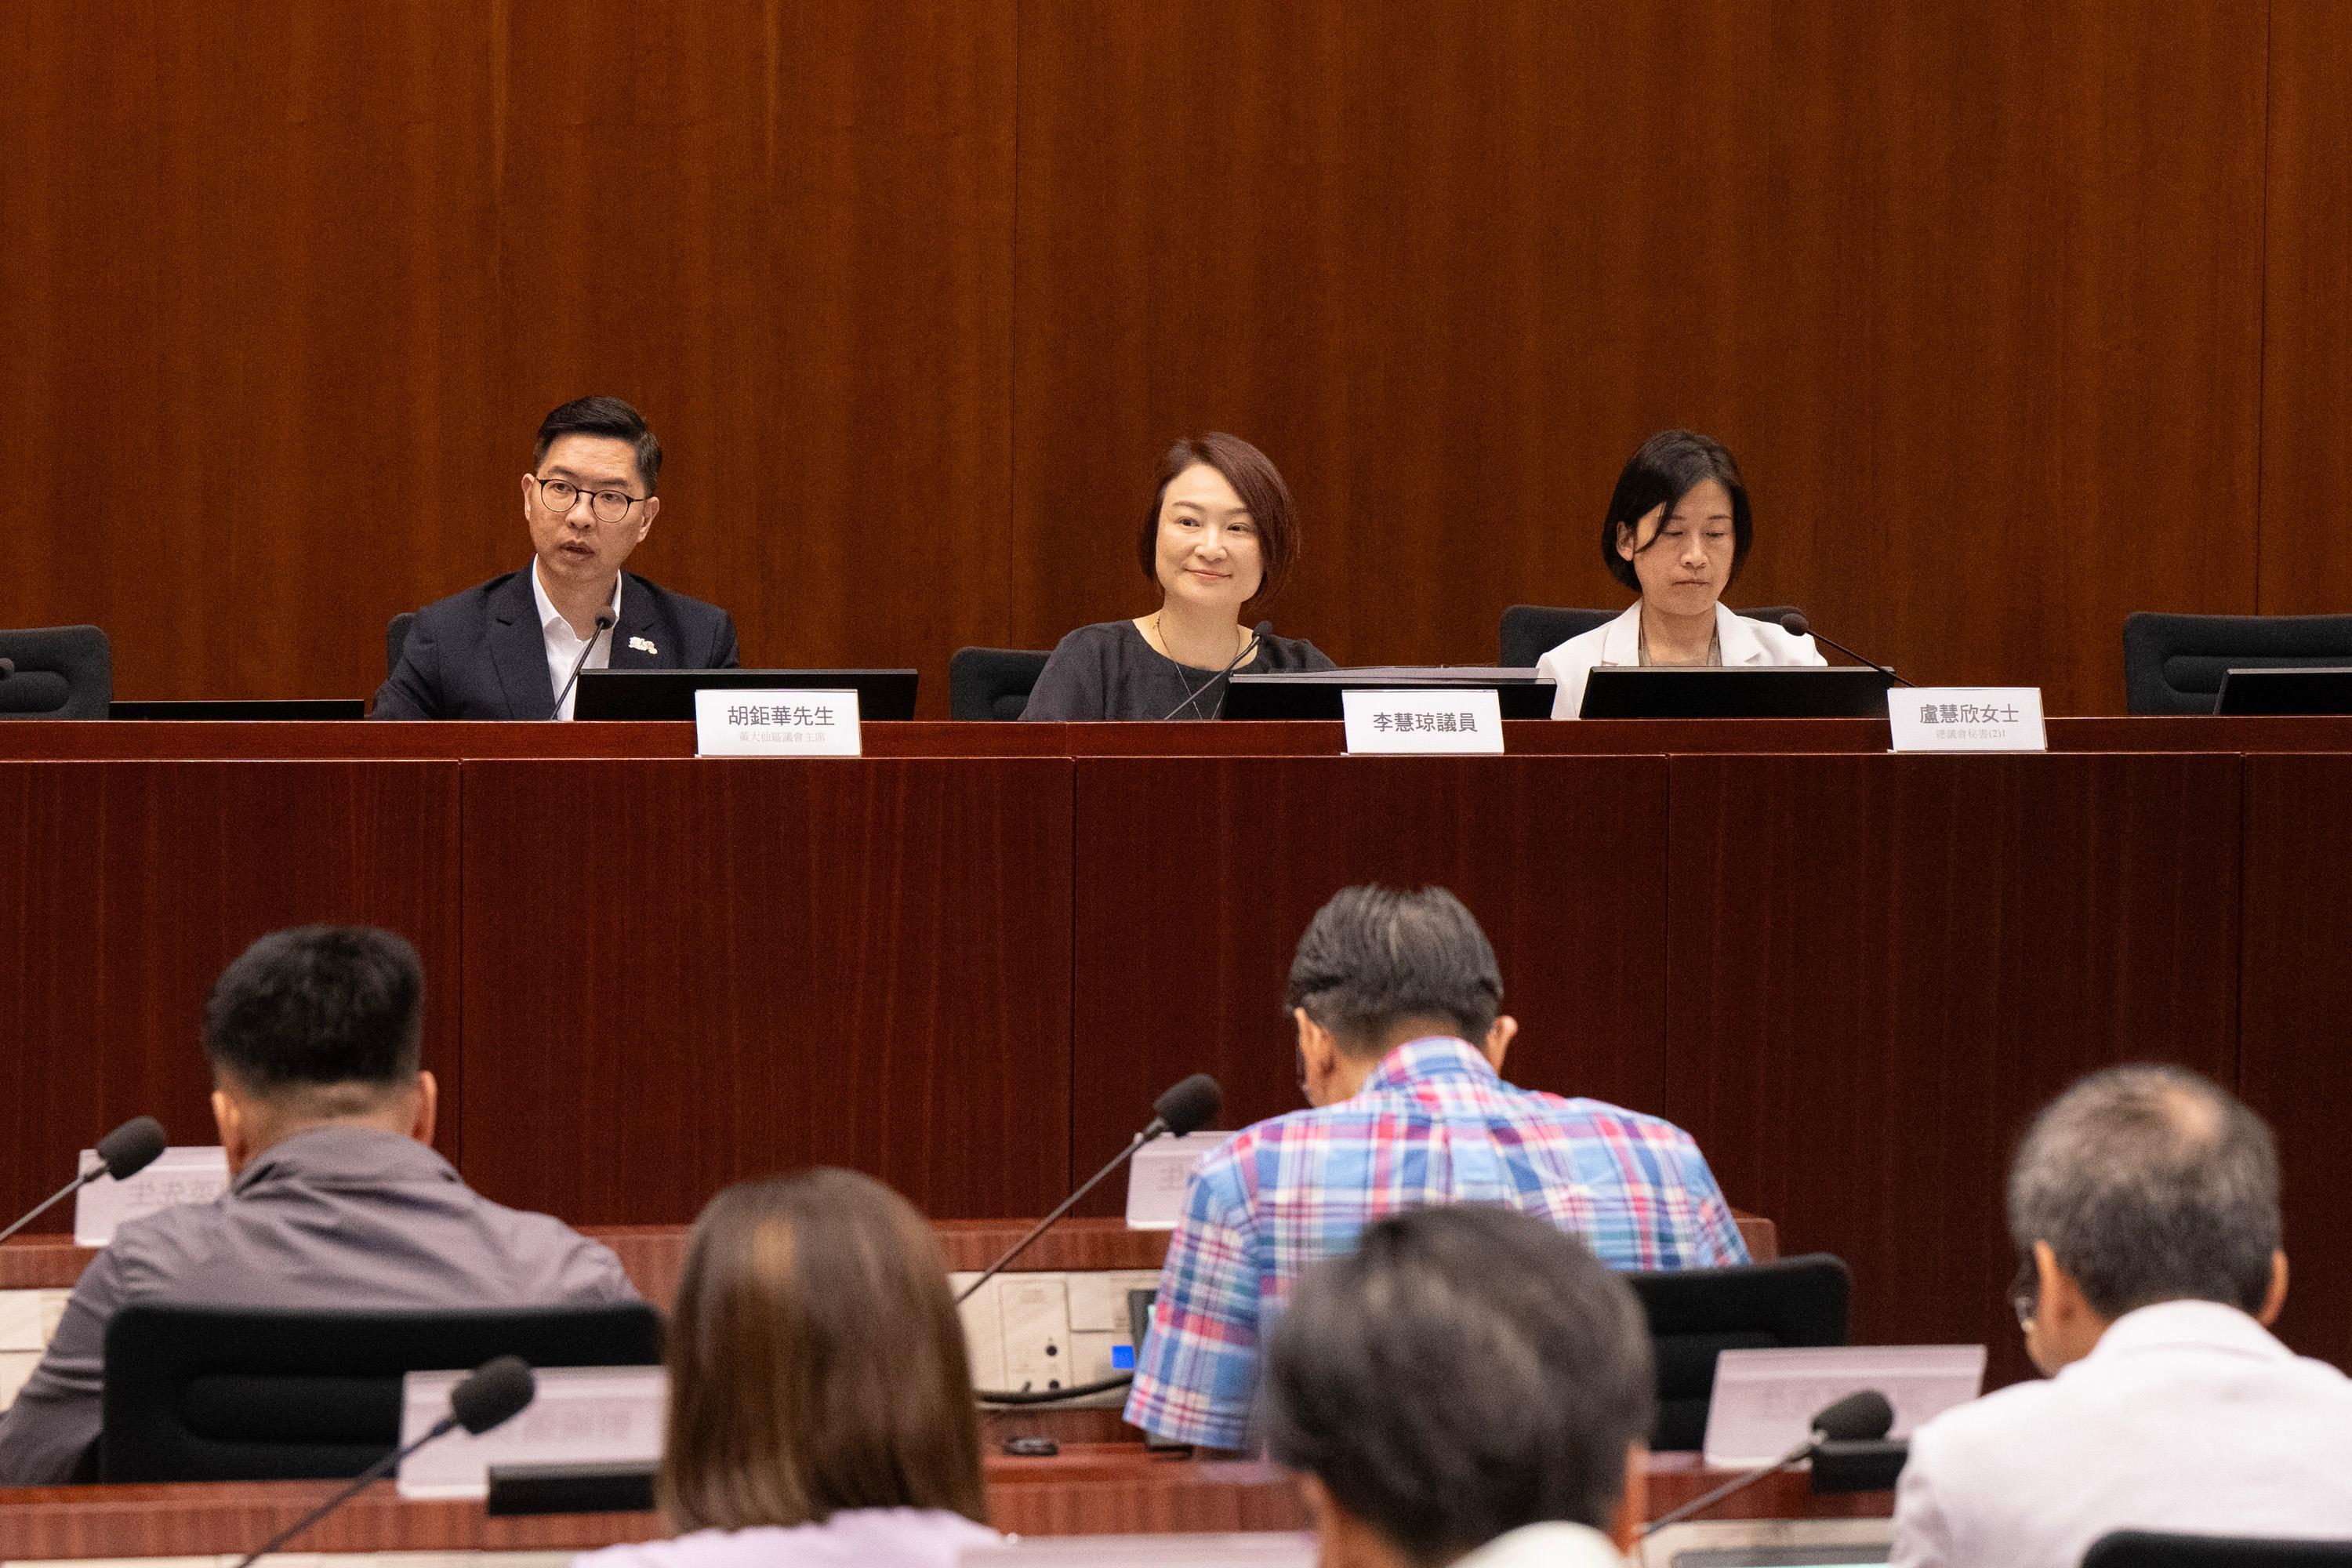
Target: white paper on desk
(192, 1175)
(1428, 720)
(776, 724)
(580, 1415)
(1967, 719)
(1765, 1401)
(1156, 1178)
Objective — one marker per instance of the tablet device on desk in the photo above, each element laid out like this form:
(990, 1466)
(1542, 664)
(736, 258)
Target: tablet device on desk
(1770, 1543)
(2308, 692)
(1745, 692)
(1315, 693)
(295, 709)
(670, 693)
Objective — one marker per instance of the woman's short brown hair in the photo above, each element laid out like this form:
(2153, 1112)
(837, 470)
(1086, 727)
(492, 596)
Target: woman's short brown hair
(817, 1361)
(1255, 479)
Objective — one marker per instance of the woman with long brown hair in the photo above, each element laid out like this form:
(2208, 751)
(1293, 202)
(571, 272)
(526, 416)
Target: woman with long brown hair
(820, 1400)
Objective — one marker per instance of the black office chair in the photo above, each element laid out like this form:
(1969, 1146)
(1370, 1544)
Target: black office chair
(1531, 631)
(992, 682)
(1695, 1314)
(55, 672)
(2173, 664)
(2147, 1549)
(395, 637)
(221, 1394)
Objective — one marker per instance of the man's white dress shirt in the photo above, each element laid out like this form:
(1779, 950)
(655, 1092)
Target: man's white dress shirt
(564, 644)
(1559, 1544)
(2186, 1417)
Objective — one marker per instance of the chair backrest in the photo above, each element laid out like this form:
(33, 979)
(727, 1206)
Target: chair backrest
(395, 637)
(1531, 631)
(1695, 1314)
(992, 682)
(2147, 1549)
(57, 672)
(2173, 664)
(218, 1394)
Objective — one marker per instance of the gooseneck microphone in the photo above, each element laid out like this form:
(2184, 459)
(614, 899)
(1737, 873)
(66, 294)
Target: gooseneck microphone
(1258, 634)
(121, 1153)
(604, 624)
(496, 1392)
(1863, 1416)
(7, 668)
(1187, 1108)
(1796, 626)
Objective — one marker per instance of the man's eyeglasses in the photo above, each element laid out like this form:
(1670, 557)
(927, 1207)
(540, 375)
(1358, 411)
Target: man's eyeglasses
(2025, 1295)
(558, 496)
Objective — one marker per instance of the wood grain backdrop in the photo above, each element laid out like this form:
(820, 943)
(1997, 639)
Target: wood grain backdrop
(2021, 314)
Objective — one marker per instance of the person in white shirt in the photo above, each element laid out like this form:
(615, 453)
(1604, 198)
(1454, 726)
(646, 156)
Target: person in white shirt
(1470, 1386)
(820, 1406)
(1678, 534)
(2145, 1202)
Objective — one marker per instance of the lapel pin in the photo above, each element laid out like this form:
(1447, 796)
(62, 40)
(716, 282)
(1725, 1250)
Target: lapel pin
(643, 645)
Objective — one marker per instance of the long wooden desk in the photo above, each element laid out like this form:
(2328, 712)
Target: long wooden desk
(968, 961)
(1087, 1490)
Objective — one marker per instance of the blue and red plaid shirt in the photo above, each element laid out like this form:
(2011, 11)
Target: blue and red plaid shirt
(1433, 1124)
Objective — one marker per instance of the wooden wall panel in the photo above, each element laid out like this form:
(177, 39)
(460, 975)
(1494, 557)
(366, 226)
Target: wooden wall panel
(1880, 967)
(680, 974)
(2297, 994)
(1196, 877)
(126, 887)
(2307, 549)
(1984, 331)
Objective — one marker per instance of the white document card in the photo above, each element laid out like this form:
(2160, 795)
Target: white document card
(1765, 1401)
(580, 1415)
(1156, 1178)
(1967, 719)
(1423, 721)
(776, 724)
(191, 1175)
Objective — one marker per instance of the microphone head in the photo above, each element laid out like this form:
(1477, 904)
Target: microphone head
(7, 668)
(1190, 1105)
(1795, 625)
(603, 620)
(1863, 1416)
(132, 1147)
(497, 1391)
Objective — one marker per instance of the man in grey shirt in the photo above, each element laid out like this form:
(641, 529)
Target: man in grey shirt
(336, 1197)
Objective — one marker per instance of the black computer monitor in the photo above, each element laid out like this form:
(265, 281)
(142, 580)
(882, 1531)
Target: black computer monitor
(882, 694)
(1744, 691)
(2284, 691)
(300, 709)
(1315, 693)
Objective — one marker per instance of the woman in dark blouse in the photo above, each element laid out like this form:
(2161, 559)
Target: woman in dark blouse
(1219, 539)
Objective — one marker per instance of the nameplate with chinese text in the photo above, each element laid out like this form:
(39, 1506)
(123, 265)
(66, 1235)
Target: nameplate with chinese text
(580, 1415)
(192, 1175)
(1156, 1176)
(1967, 719)
(776, 724)
(1423, 721)
(1764, 1402)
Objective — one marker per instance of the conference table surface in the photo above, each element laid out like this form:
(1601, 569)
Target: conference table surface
(966, 961)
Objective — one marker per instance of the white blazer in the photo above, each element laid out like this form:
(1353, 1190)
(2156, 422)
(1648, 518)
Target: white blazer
(1619, 642)
(2186, 1416)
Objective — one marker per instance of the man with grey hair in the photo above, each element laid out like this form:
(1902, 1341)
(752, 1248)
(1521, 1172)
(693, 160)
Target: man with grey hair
(2145, 1204)
(1396, 1000)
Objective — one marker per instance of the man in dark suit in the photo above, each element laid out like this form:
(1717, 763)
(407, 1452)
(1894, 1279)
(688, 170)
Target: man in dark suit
(508, 649)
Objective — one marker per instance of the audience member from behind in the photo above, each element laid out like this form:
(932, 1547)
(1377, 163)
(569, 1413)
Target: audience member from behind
(1399, 1050)
(2145, 1202)
(1677, 533)
(336, 1198)
(1218, 540)
(820, 1408)
(1472, 1387)
(507, 648)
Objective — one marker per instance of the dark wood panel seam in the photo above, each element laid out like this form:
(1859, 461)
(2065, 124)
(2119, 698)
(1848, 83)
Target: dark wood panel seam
(457, 1047)
(2262, 331)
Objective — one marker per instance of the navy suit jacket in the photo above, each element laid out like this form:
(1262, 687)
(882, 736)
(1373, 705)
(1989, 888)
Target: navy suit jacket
(482, 654)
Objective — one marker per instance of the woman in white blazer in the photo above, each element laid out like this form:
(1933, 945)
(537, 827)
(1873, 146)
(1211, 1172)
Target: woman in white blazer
(1678, 534)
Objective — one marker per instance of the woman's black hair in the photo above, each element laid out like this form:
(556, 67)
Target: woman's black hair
(1668, 467)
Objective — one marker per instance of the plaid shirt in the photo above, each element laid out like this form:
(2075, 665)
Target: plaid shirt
(1433, 1124)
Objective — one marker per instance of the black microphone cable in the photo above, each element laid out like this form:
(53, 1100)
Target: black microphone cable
(1193, 698)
